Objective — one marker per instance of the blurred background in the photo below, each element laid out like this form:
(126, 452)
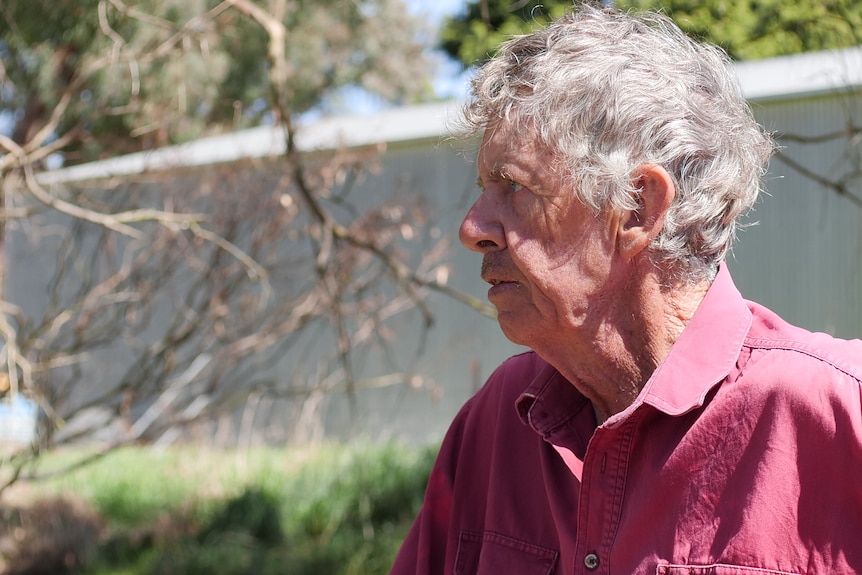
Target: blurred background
(235, 319)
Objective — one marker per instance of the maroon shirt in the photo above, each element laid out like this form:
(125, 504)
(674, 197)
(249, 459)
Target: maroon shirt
(741, 455)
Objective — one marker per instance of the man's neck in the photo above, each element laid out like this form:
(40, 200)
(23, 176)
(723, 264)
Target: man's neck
(631, 343)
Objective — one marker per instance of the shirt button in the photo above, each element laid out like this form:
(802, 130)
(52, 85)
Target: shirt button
(591, 561)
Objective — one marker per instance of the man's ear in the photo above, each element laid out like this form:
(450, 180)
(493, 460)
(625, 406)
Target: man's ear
(640, 226)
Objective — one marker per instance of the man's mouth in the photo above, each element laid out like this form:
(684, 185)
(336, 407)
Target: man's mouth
(498, 270)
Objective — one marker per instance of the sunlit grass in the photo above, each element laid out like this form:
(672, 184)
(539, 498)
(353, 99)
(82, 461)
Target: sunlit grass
(332, 509)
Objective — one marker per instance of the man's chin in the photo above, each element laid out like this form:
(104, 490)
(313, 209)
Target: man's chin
(512, 328)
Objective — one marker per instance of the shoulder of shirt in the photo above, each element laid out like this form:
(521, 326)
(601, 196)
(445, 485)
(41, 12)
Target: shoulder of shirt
(510, 379)
(769, 332)
(498, 394)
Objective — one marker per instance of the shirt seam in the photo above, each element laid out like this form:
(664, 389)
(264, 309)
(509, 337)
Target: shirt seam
(809, 350)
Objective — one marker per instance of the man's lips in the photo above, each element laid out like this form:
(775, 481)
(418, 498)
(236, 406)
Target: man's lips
(496, 282)
(497, 272)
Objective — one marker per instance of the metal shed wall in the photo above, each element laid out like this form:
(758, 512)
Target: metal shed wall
(803, 257)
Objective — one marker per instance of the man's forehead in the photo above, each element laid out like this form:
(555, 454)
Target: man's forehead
(505, 149)
(499, 147)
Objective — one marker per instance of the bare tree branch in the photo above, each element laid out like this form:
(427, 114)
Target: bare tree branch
(177, 296)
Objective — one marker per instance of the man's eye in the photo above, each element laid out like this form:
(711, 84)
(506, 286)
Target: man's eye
(501, 184)
(514, 186)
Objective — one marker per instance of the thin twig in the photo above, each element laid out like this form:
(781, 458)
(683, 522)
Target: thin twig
(256, 271)
(838, 187)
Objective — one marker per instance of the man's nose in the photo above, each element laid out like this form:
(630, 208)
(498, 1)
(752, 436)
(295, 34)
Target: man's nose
(481, 231)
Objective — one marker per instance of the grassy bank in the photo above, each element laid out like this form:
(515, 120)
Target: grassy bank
(186, 511)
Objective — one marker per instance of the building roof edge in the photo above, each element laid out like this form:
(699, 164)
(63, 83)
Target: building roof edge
(801, 75)
(779, 78)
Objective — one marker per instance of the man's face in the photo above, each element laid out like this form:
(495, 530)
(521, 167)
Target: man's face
(547, 257)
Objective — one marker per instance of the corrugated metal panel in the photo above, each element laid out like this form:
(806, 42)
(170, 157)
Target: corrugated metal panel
(804, 257)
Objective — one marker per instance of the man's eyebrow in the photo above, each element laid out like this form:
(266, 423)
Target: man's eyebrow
(498, 171)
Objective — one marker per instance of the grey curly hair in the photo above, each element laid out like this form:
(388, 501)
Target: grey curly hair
(607, 91)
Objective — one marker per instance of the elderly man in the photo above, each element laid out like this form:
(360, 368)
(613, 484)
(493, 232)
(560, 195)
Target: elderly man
(661, 423)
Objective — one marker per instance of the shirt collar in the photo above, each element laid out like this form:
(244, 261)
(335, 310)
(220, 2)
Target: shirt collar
(550, 406)
(704, 354)
(549, 401)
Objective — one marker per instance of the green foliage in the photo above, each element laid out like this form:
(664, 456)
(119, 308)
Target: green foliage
(244, 535)
(337, 510)
(746, 29)
(360, 489)
(229, 557)
(133, 486)
(253, 514)
(155, 72)
(752, 29)
(472, 37)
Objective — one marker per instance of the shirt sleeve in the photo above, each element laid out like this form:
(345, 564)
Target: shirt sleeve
(426, 549)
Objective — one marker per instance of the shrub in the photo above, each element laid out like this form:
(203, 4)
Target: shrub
(338, 510)
(254, 513)
(52, 536)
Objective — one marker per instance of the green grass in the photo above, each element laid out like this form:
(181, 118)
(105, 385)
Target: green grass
(339, 510)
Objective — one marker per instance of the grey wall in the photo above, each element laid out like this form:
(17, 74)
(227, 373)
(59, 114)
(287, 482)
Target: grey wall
(803, 259)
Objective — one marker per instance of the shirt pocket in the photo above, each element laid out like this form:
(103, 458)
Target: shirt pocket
(490, 553)
(717, 569)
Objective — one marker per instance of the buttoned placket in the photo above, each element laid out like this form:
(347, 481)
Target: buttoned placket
(601, 497)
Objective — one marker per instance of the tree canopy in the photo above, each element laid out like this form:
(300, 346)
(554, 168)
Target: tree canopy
(746, 29)
(136, 75)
